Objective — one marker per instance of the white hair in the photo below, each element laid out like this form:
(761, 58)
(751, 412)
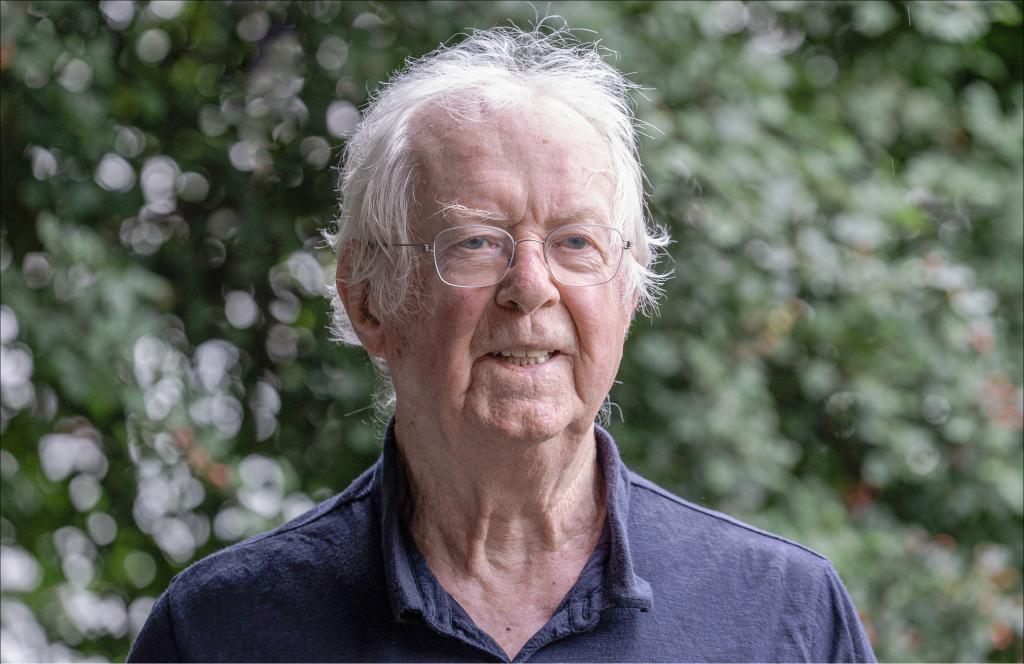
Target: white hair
(499, 67)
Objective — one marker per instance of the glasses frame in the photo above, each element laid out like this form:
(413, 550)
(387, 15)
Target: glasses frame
(428, 248)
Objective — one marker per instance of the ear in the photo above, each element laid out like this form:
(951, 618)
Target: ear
(361, 311)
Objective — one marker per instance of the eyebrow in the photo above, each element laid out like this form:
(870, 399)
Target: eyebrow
(469, 214)
(576, 215)
(581, 214)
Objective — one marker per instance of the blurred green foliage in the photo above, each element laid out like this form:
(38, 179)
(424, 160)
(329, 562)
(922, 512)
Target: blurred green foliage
(838, 360)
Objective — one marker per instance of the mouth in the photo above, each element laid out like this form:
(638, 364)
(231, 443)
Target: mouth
(524, 358)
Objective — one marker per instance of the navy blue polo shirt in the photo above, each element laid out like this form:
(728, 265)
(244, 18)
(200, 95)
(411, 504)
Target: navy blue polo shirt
(668, 581)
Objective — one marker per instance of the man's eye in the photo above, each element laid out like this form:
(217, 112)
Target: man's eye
(576, 242)
(475, 242)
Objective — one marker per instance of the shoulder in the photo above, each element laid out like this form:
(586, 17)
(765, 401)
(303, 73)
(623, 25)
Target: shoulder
(309, 549)
(651, 500)
(261, 598)
(670, 527)
(782, 599)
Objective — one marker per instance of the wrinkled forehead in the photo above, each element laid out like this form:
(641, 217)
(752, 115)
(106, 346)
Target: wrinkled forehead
(536, 157)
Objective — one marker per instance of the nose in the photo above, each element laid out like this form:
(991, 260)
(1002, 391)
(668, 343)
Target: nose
(528, 286)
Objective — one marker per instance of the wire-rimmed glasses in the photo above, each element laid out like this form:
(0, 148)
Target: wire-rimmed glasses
(475, 256)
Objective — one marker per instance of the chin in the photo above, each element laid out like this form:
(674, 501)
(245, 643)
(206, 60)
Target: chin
(524, 423)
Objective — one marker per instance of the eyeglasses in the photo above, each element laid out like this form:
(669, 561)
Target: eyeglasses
(478, 256)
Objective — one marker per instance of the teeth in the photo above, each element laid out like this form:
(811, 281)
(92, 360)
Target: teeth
(525, 358)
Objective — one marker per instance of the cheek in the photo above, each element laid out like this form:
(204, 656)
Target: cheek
(601, 328)
(461, 309)
(453, 319)
(445, 326)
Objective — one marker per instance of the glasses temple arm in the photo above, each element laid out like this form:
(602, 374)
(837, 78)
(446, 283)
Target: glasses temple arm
(425, 247)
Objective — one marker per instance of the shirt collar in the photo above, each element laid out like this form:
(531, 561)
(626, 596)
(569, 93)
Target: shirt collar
(389, 480)
(620, 586)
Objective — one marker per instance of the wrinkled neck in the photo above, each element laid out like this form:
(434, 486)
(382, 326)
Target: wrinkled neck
(501, 507)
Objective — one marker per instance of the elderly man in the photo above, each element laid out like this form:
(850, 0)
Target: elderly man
(492, 252)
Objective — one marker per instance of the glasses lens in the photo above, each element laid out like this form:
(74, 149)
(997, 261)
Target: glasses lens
(472, 256)
(584, 254)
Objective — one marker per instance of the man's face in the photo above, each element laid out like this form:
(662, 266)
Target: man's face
(531, 168)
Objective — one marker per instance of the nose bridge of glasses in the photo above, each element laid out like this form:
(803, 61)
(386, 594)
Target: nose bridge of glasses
(516, 243)
(515, 246)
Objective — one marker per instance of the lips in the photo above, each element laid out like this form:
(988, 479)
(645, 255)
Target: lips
(524, 358)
